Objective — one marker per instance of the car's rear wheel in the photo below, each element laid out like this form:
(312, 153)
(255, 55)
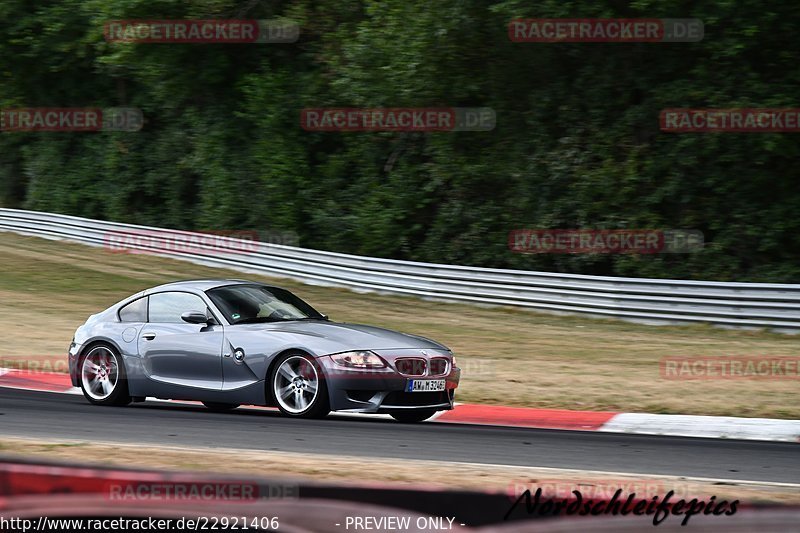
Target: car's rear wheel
(411, 417)
(102, 377)
(298, 386)
(220, 407)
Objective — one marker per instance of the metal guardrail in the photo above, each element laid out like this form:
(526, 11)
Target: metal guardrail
(753, 305)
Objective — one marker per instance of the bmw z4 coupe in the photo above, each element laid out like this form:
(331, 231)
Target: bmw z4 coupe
(228, 343)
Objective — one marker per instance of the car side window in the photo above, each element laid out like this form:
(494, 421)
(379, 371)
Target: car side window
(136, 311)
(169, 306)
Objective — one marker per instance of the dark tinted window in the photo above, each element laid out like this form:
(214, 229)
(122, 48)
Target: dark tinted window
(169, 306)
(136, 311)
(257, 303)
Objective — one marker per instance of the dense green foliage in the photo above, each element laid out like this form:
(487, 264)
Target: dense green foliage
(577, 142)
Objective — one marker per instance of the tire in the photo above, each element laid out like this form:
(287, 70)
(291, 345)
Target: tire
(298, 386)
(411, 417)
(220, 407)
(102, 377)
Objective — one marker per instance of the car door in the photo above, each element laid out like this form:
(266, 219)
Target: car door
(175, 352)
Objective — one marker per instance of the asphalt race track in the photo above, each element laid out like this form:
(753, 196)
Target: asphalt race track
(50, 415)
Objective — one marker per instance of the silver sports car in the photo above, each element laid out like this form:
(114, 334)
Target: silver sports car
(231, 342)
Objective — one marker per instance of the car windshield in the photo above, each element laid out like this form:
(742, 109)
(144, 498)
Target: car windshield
(245, 304)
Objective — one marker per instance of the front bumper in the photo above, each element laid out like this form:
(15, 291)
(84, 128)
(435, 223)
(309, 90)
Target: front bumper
(383, 391)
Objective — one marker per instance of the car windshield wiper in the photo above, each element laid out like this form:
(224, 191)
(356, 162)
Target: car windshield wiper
(257, 319)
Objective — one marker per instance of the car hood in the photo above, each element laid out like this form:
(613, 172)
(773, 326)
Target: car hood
(332, 337)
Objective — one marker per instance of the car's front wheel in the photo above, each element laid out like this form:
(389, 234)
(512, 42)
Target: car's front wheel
(413, 416)
(298, 386)
(102, 377)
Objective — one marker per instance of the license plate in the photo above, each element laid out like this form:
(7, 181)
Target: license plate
(425, 385)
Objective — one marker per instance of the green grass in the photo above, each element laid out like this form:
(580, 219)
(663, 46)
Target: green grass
(509, 356)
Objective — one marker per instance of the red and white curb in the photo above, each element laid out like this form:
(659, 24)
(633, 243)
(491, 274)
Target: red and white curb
(37, 381)
(719, 427)
(494, 415)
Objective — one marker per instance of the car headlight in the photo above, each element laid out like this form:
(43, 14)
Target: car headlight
(361, 359)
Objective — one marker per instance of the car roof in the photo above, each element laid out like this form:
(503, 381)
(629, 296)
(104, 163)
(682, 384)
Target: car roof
(202, 284)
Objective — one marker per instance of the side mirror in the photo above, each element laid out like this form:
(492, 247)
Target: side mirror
(194, 317)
